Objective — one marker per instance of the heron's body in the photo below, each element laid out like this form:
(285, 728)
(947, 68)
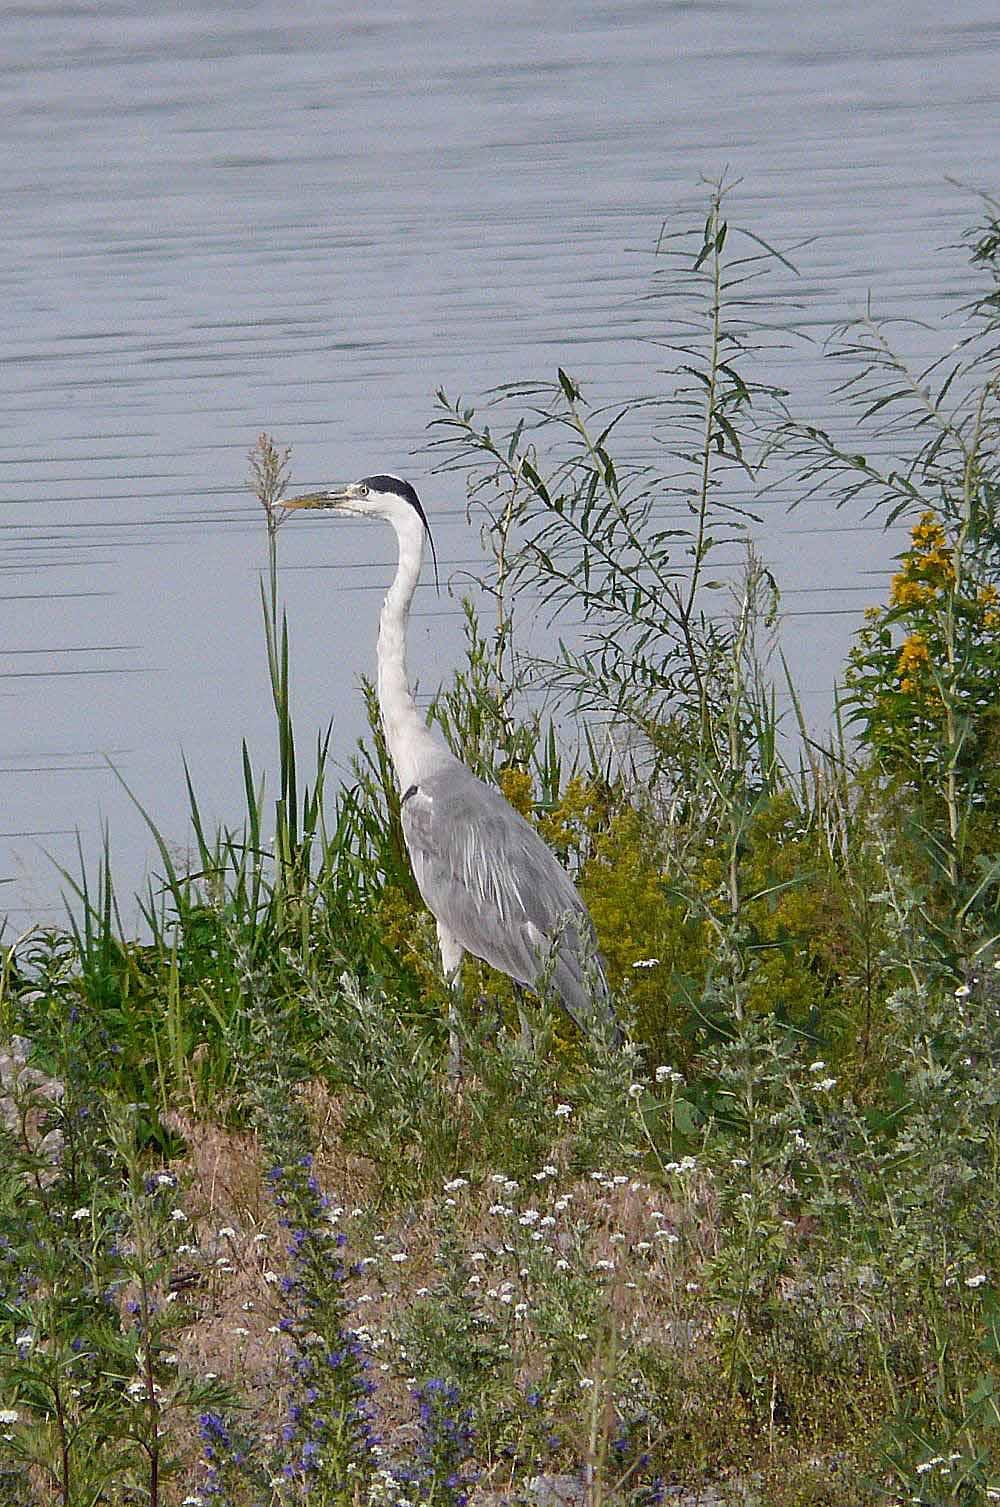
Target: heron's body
(495, 889)
(493, 886)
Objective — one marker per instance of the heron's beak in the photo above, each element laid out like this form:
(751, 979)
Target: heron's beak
(330, 497)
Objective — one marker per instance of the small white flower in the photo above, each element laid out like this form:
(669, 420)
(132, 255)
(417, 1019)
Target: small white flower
(646, 963)
(455, 1184)
(240, 1332)
(79, 1214)
(178, 1216)
(963, 991)
(562, 1265)
(25, 1340)
(976, 1281)
(193, 1502)
(547, 1221)
(619, 1180)
(635, 1090)
(585, 1383)
(423, 1292)
(817, 1066)
(398, 1257)
(169, 1359)
(563, 1111)
(478, 1256)
(227, 1232)
(825, 1084)
(530, 1216)
(475, 1280)
(643, 1246)
(9, 1415)
(604, 1266)
(166, 1180)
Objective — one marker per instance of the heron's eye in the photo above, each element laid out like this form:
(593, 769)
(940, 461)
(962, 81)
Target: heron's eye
(362, 490)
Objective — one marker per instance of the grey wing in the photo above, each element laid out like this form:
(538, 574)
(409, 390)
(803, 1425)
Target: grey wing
(490, 880)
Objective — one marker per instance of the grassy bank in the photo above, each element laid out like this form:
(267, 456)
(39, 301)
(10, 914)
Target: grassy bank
(254, 1249)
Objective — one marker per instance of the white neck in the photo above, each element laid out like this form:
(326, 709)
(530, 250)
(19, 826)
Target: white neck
(411, 744)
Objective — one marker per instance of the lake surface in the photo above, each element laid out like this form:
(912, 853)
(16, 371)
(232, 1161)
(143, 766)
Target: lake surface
(304, 218)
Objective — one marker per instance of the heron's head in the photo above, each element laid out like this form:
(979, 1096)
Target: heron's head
(387, 497)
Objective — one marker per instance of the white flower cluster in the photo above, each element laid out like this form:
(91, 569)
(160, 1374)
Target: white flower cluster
(686, 1164)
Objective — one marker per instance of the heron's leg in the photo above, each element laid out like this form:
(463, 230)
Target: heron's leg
(526, 1035)
(451, 964)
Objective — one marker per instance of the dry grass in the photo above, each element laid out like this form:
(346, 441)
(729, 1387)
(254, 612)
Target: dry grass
(639, 1250)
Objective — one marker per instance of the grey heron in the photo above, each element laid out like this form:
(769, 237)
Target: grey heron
(489, 880)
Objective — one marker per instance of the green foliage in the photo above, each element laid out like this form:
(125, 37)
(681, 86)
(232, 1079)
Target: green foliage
(89, 1237)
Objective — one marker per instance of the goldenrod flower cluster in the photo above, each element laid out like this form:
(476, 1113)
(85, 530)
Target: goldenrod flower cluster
(928, 568)
(913, 658)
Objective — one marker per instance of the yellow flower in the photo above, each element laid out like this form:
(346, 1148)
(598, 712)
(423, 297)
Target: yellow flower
(517, 787)
(909, 593)
(913, 656)
(928, 534)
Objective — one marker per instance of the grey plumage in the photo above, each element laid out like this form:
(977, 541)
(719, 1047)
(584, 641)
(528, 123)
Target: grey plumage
(499, 891)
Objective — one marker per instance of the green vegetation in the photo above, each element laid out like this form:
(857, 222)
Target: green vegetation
(254, 1249)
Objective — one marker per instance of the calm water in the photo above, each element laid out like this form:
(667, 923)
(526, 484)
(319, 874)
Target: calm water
(304, 218)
